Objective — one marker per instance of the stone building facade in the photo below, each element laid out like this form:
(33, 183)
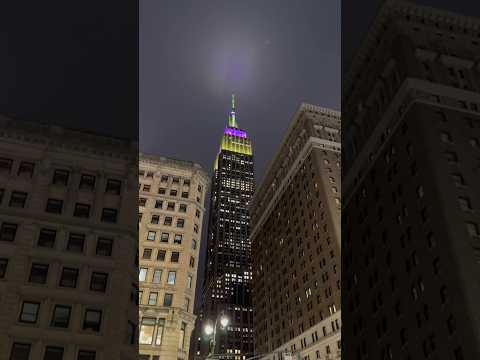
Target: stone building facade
(296, 236)
(68, 244)
(411, 225)
(171, 209)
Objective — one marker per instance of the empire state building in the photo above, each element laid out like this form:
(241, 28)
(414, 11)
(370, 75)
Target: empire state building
(228, 277)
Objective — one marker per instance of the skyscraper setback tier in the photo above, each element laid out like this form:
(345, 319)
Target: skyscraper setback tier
(411, 226)
(228, 276)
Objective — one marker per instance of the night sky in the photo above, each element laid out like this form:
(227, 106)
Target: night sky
(273, 54)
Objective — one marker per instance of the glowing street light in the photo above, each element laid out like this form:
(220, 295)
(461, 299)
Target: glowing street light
(224, 321)
(209, 329)
(212, 330)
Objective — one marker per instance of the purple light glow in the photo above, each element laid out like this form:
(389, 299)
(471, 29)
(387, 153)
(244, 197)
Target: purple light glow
(235, 132)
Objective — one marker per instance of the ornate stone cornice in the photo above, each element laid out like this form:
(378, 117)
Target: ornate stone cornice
(54, 137)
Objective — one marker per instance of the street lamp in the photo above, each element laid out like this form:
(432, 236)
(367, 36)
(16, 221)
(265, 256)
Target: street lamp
(212, 329)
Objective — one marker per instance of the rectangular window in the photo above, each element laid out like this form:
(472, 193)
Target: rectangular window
(143, 274)
(92, 320)
(47, 238)
(181, 340)
(189, 281)
(178, 239)
(160, 328)
(18, 199)
(113, 187)
(164, 237)
(98, 282)
(180, 223)
(38, 273)
(147, 328)
(26, 169)
(20, 351)
(142, 201)
(185, 194)
(146, 188)
(76, 242)
(152, 298)
(194, 244)
(175, 256)
(60, 177)
(158, 204)
(147, 253)
(87, 182)
(173, 192)
(104, 247)
(157, 276)
(186, 182)
(54, 206)
(192, 261)
(164, 178)
(155, 219)
(168, 299)
(86, 355)
(167, 221)
(171, 206)
(69, 277)
(8, 232)
(61, 316)
(149, 174)
(162, 191)
(161, 255)
(3, 267)
(53, 353)
(171, 277)
(151, 235)
(109, 215)
(29, 312)
(175, 180)
(6, 165)
(82, 210)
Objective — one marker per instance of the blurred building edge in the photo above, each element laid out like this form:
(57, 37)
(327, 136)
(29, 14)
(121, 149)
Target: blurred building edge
(296, 242)
(170, 215)
(411, 226)
(68, 244)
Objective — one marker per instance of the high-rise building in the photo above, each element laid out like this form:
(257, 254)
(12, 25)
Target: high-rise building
(171, 208)
(68, 244)
(411, 225)
(228, 273)
(296, 242)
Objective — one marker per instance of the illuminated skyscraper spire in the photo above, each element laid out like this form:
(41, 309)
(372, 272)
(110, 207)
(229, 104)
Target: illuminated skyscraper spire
(232, 122)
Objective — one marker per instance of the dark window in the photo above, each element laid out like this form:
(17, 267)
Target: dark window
(164, 237)
(164, 178)
(146, 188)
(20, 351)
(175, 256)
(104, 247)
(147, 253)
(69, 277)
(87, 182)
(18, 199)
(158, 204)
(60, 177)
(98, 281)
(161, 255)
(6, 165)
(175, 180)
(168, 220)
(54, 206)
(173, 192)
(81, 210)
(171, 206)
(177, 239)
(162, 191)
(185, 195)
(155, 219)
(142, 201)
(92, 320)
(53, 353)
(75, 242)
(26, 168)
(180, 223)
(113, 187)
(186, 182)
(183, 208)
(109, 215)
(47, 238)
(3, 267)
(8, 232)
(61, 316)
(38, 273)
(29, 312)
(167, 300)
(150, 174)
(86, 355)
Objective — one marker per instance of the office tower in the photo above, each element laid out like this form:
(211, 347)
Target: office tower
(296, 242)
(68, 244)
(411, 227)
(228, 273)
(171, 208)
